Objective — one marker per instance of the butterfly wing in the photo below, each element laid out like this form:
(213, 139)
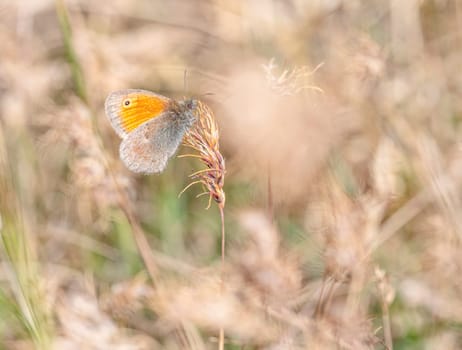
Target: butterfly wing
(130, 108)
(147, 149)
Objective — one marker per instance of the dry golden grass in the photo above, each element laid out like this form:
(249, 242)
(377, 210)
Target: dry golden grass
(339, 122)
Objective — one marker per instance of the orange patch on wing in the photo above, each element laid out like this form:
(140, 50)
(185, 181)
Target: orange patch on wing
(140, 109)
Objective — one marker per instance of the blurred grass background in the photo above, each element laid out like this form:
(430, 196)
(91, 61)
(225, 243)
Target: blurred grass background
(340, 124)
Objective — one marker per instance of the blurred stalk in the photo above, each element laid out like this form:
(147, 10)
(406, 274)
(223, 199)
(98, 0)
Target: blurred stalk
(406, 31)
(204, 137)
(76, 69)
(221, 206)
(20, 265)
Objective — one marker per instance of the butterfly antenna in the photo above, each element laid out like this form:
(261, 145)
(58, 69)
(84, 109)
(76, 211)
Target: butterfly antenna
(185, 81)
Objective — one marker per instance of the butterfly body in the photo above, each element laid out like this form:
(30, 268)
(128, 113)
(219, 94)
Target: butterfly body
(151, 126)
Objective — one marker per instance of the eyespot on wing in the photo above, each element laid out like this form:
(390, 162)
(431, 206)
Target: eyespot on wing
(128, 109)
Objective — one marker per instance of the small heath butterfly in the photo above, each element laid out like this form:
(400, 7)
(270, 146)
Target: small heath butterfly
(151, 126)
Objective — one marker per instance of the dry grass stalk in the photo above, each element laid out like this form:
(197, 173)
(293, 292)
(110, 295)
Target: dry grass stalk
(387, 295)
(204, 138)
(290, 81)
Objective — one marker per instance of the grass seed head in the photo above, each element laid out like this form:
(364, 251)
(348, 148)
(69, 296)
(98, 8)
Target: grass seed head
(204, 138)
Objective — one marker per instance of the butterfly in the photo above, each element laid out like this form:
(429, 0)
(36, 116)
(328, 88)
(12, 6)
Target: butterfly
(151, 126)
